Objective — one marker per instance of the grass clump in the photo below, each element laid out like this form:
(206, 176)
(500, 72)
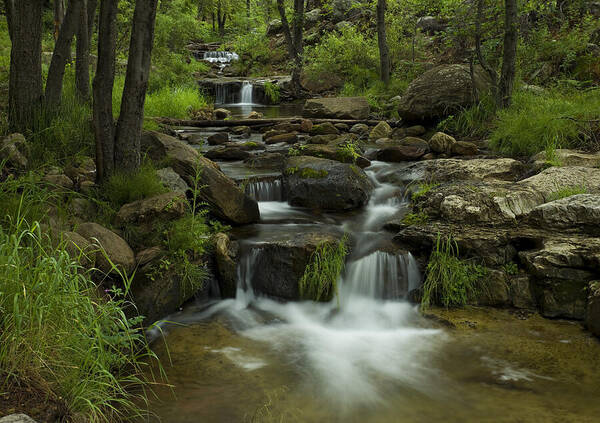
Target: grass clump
(565, 192)
(319, 282)
(58, 332)
(449, 281)
(424, 188)
(419, 218)
(310, 173)
(179, 102)
(122, 188)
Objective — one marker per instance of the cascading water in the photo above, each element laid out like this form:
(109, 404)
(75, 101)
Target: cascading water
(223, 57)
(265, 190)
(246, 93)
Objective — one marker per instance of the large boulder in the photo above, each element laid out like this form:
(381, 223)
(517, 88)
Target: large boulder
(220, 192)
(144, 214)
(441, 143)
(439, 170)
(581, 212)
(400, 153)
(381, 130)
(441, 91)
(337, 108)
(554, 179)
(227, 153)
(325, 184)
(567, 158)
(14, 149)
(169, 178)
(326, 128)
(111, 248)
(17, 418)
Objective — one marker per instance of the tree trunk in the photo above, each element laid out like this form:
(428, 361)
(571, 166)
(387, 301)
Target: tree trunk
(82, 61)
(293, 38)
(25, 79)
(103, 87)
(91, 9)
(129, 126)
(61, 54)
(59, 15)
(384, 53)
(507, 78)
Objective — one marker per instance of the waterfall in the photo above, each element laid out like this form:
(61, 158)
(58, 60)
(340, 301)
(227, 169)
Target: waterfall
(265, 190)
(246, 93)
(223, 57)
(245, 270)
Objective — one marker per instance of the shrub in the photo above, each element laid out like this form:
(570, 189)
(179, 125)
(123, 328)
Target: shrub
(122, 188)
(449, 281)
(319, 282)
(272, 92)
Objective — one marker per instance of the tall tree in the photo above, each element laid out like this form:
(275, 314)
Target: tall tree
(24, 18)
(59, 15)
(82, 61)
(384, 52)
(293, 38)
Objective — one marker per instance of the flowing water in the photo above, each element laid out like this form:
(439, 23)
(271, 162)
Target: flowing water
(368, 355)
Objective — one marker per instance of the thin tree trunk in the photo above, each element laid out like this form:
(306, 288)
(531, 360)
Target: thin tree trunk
(25, 80)
(129, 126)
(103, 87)
(91, 9)
(59, 15)
(484, 64)
(293, 38)
(507, 78)
(61, 54)
(384, 53)
(82, 61)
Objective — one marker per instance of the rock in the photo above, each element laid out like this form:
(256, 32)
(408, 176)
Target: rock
(290, 138)
(325, 83)
(430, 25)
(322, 139)
(333, 153)
(342, 127)
(221, 114)
(272, 132)
(244, 131)
(287, 127)
(340, 26)
(14, 149)
(553, 179)
(306, 125)
(82, 208)
(79, 248)
(359, 128)
(227, 153)
(441, 91)
(255, 115)
(325, 184)
(80, 170)
(17, 418)
(274, 27)
(220, 192)
(592, 315)
(169, 178)
(115, 247)
(441, 143)
(415, 142)
(326, 128)
(87, 187)
(581, 212)
(337, 108)
(400, 153)
(266, 161)
(144, 214)
(226, 253)
(312, 17)
(567, 158)
(247, 146)
(149, 255)
(218, 138)
(415, 131)
(464, 148)
(381, 130)
(467, 170)
(58, 182)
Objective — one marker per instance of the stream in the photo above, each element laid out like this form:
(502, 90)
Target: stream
(368, 356)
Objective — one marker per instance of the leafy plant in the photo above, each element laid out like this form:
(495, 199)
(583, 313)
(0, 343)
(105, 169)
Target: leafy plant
(450, 281)
(272, 92)
(424, 188)
(348, 152)
(319, 282)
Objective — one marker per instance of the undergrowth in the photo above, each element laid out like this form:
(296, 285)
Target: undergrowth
(125, 187)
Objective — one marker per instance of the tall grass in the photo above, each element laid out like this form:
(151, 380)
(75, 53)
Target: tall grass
(319, 282)
(126, 187)
(449, 281)
(179, 102)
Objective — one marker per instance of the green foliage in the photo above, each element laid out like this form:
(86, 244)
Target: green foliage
(474, 121)
(348, 152)
(449, 281)
(510, 268)
(179, 103)
(424, 188)
(122, 188)
(562, 119)
(56, 329)
(258, 56)
(272, 92)
(419, 218)
(310, 173)
(565, 192)
(319, 282)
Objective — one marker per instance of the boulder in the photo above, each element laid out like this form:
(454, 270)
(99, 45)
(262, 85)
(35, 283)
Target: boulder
(114, 247)
(430, 25)
(333, 153)
(441, 91)
(14, 150)
(381, 130)
(170, 179)
(342, 127)
(322, 139)
(266, 161)
(567, 158)
(306, 125)
(400, 153)
(287, 127)
(466, 170)
(16, 418)
(82, 208)
(59, 182)
(325, 184)
(227, 153)
(290, 138)
(464, 148)
(581, 212)
(359, 128)
(226, 254)
(80, 170)
(218, 138)
(553, 179)
(255, 115)
(149, 255)
(241, 131)
(326, 128)
(220, 192)
(221, 114)
(274, 27)
(337, 108)
(311, 17)
(79, 248)
(592, 315)
(415, 142)
(441, 143)
(144, 214)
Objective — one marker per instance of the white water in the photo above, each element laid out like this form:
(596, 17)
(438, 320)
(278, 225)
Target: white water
(246, 94)
(223, 57)
(265, 190)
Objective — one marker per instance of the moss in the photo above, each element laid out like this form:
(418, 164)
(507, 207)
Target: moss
(415, 218)
(251, 144)
(291, 170)
(310, 173)
(424, 188)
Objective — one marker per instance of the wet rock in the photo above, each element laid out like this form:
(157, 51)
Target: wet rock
(581, 212)
(221, 114)
(441, 143)
(144, 214)
(464, 148)
(342, 127)
(227, 153)
(287, 127)
(255, 115)
(322, 139)
(359, 128)
(592, 316)
(226, 254)
(381, 130)
(441, 91)
(220, 192)
(337, 108)
(400, 153)
(306, 125)
(272, 132)
(415, 142)
(333, 153)
(115, 247)
(218, 138)
(241, 130)
(266, 161)
(290, 138)
(325, 184)
(169, 178)
(326, 128)
(14, 149)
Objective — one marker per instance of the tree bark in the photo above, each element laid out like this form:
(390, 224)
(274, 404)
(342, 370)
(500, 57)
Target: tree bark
(61, 54)
(293, 38)
(59, 15)
(103, 87)
(384, 52)
(25, 80)
(507, 78)
(129, 126)
(82, 61)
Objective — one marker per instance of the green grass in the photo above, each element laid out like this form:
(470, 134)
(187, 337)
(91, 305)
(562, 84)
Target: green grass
(450, 281)
(475, 121)
(567, 192)
(122, 188)
(319, 282)
(419, 218)
(178, 103)
(424, 188)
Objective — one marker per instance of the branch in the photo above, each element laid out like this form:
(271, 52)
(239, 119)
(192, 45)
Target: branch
(286, 29)
(491, 72)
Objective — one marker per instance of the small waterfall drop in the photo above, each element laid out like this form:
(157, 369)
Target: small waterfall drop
(246, 93)
(245, 270)
(265, 190)
(223, 57)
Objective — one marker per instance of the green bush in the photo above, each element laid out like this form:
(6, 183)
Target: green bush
(122, 188)
(272, 92)
(449, 281)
